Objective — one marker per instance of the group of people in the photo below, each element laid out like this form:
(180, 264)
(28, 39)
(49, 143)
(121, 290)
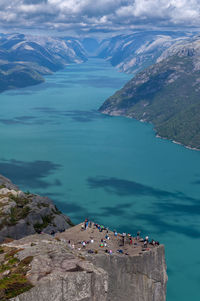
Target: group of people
(125, 238)
(86, 224)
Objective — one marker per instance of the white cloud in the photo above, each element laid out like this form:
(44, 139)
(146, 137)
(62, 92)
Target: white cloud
(100, 15)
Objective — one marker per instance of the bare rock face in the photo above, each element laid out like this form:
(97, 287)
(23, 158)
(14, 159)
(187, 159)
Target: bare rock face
(23, 214)
(135, 278)
(57, 273)
(134, 273)
(60, 267)
(7, 183)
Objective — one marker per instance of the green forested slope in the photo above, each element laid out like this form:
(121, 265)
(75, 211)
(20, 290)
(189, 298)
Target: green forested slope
(166, 94)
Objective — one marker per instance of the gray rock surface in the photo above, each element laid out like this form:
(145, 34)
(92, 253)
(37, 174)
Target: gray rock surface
(135, 278)
(57, 274)
(23, 214)
(7, 183)
(59, 268)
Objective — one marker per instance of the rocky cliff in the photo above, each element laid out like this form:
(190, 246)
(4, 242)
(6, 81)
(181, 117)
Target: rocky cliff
(22, 214)
(136, 278)
(51, 270)
(79, 264)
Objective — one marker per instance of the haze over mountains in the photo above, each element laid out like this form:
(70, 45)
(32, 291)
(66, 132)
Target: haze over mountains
(24, 59)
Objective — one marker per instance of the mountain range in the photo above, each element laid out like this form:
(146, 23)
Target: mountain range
(165, 94)
(24, 59)
(166, 68)
(135, 52)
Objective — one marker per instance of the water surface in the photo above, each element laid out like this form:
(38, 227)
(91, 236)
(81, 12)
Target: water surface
(111, 169)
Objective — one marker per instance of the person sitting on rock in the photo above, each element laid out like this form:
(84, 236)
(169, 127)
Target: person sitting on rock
(152, 242)
(120, 251)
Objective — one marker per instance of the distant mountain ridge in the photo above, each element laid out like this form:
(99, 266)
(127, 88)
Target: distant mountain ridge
(25, 58)
(135, 52)
(165, 94)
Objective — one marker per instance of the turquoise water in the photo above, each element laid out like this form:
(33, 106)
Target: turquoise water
(110, 169)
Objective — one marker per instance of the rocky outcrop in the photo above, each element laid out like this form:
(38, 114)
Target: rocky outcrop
(134, 273)
(135, 278)
(22, 214)
(58, 273)
(60, 267)
(5, 182)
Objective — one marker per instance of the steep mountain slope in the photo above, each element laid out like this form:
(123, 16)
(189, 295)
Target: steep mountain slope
(165, 94)
(24, 59)
(134, 52)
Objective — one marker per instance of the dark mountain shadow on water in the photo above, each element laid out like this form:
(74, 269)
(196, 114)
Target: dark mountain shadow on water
(162, 225)
(75, 115)
(122, 187)
(30, 90)
(25, 120)
(29, 174)
(166, 212)
(101, 82)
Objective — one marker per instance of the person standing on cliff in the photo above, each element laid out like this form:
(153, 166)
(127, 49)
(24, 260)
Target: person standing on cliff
(86, 223)
(123, 238)
(145, 244)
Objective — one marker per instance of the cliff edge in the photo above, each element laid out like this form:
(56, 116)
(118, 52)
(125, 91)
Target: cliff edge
(87, 262)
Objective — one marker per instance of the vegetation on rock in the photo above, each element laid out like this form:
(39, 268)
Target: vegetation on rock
(167, 95)
(13, 272)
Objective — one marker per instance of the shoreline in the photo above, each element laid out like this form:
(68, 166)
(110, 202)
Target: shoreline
(176, 142)
(117, 113)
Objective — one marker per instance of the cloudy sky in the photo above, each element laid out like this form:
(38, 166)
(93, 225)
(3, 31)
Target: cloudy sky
(98, 16)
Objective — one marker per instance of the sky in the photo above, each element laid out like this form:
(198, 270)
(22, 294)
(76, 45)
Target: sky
(98, 16)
